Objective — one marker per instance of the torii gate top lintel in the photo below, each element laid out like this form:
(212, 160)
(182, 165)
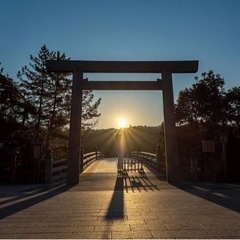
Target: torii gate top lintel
(122, 66)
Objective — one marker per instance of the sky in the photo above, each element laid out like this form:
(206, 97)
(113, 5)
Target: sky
(126, 30)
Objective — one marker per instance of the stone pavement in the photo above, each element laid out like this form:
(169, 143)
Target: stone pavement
(104, 205)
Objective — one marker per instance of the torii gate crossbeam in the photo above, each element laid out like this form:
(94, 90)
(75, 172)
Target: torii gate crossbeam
(165, 68)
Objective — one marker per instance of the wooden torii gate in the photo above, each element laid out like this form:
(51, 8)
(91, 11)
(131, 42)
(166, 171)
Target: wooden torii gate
(165, 68)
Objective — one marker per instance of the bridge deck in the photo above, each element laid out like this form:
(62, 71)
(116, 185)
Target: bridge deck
(104, 205)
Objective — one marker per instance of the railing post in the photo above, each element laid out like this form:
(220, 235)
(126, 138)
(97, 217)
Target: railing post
(13, 166)
(96, 153)
(137, 152)
(82, 160)
(48, 166)
(158, 157)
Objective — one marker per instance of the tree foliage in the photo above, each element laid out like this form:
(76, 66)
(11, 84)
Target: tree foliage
(36, 108)
(233, 107)
(141, 138)
(205, 111)
(89, 110)
(14, 108)
(203, 103)
(50, 93)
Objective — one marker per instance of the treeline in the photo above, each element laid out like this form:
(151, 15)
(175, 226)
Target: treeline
(143, 138)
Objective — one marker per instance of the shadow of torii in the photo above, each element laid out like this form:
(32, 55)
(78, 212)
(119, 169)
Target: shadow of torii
(123, 183)
(29, 197)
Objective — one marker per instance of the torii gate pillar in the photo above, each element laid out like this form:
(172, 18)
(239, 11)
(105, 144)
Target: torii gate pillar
(172, 165)
(74, 160)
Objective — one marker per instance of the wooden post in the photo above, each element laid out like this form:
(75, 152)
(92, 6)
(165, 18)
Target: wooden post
(158, 158)
(48, 166)
(74, 159)
(172, 164)
(13, 166)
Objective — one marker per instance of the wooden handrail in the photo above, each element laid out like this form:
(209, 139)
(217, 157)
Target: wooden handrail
(59, 167)
(148, 158)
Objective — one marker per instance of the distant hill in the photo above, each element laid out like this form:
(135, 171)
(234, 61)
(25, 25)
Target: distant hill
(107, 140)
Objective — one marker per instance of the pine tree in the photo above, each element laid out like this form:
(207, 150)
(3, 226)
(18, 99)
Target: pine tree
(51, 96)
(89, 110)
(35, 84)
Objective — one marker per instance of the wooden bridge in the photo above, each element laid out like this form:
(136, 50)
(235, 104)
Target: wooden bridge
(57, 170)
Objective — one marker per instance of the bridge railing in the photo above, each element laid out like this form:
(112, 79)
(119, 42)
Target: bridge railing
(148, 158)
(58, 169)
(151, 160)
(91, 157)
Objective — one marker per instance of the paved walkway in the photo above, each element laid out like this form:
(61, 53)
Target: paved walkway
(106, 206)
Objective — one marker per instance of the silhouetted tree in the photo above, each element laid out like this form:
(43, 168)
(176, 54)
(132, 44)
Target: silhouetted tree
(14, 109)
(233, 107)
(90, 112)
(51, 95)
(203, 104)
(35, 82)
(186, 109)
(206, 111)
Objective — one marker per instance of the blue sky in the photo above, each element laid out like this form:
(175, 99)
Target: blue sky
(204, 30)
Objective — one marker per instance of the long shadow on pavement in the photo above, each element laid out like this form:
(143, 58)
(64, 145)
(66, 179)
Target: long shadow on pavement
(139, 182)
(25, 199)
(225, 195)
(126, 182)
(116, 206)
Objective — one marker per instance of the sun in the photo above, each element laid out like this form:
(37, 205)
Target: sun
(122, 123)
